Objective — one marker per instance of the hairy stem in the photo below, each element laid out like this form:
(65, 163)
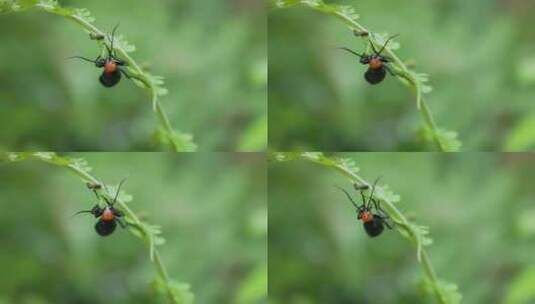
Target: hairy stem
(406, 76)
(86, 177)
(139, 73)
(398, 217)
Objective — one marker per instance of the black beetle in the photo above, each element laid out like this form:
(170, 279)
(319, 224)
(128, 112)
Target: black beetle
(377, 63)
(373, 222)
(111, 64)
(108, 216)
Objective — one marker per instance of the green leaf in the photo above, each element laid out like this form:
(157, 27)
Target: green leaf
(388, 195)
(380, 40)
(123, 196)
(178, 293)
(448, 140)
(84, 14)
(11, 157)
(157, 84)
(9, 6)
(349, 164)
(120, 42)
(181, 141)
(284, 156)
(181, 292)
(49, 2)
(80, 163)
(449, 292)
(345, 10)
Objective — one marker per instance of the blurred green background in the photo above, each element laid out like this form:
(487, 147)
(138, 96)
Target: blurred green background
(479, 53)
(479, 207)
(212, 54)
(212, 207)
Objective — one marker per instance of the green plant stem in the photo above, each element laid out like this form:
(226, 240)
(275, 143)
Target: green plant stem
(407, 76)
(87, 177)
(157, 107)
(430, 121)
(431, 275)
(421, 104)
(355, 25)
(395, 214)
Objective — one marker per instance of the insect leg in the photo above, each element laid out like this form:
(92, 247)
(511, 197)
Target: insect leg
(125, 73)
(385, 221)
(119, 61)
(121, 223)
(349, 197)
(389, 70)
(382, 214)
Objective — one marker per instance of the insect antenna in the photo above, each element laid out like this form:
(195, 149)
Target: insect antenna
(349, 197)
(83, 58)
(351, 51)
(384, 45)
(111, 51)
(117, 193)
(371, 194)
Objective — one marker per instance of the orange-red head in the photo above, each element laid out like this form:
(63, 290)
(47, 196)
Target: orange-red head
(107, 215)
(365, 216)
(375, 63)
(110, 66)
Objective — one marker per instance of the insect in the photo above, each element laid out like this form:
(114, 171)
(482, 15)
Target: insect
(96, 36)
(111, 64)
(360, 33)
(108, 216)
(373, 222)
(377, 63)
(93, 186)
(360, 187)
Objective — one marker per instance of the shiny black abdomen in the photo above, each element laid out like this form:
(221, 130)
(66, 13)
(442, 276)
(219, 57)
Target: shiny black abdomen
(374, 227)
(110, 79)
(105, 228)
(375, 76)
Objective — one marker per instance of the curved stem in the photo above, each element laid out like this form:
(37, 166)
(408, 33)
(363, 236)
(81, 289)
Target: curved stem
(407, 76)
(86, 177)
(140, 74)
(398, 217)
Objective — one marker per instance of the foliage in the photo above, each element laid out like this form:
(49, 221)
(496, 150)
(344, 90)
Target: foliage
(216, 77)
(445, 292)
(176, 292)
(445, 140)
(154, 84)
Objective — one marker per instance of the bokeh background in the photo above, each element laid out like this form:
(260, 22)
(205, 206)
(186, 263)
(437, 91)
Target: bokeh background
(212, 207)
(479, 207)
(212, 54)
(480, 55)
